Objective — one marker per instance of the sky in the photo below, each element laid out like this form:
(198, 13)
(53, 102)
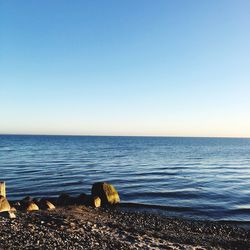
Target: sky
(144, 67)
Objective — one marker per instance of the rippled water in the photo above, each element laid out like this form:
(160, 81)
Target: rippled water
(205, 178)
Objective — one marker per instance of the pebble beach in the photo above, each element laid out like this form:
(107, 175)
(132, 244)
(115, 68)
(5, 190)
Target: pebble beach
(83, 227)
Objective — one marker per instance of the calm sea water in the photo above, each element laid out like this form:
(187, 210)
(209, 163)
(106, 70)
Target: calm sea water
(199, 177)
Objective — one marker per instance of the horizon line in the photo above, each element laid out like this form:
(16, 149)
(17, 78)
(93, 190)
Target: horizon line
(107, 135)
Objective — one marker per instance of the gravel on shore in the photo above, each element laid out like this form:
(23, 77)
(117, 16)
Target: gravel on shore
(81, 227)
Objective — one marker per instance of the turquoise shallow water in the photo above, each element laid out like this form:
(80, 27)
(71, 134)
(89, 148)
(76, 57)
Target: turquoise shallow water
(206, 178)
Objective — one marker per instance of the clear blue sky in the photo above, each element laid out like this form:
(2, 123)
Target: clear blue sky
(125, 67)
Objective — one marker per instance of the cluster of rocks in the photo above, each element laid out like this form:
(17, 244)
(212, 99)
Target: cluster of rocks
(102, 194)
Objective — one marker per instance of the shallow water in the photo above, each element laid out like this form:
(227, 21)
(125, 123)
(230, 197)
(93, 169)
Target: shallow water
(206, 178)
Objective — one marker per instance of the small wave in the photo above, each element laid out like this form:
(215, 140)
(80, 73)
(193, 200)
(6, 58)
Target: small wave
(5, 149)
(240, 211)
(162, 207)
(153, 195)
(120, 156)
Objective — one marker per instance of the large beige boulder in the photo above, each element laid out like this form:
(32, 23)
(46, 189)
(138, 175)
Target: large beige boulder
(106, 192)
(4, 204)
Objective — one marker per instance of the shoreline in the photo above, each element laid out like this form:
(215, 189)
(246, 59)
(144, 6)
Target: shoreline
(161, 210)
(99, 221)
(83, 227)
(154, 209)
(164, 210)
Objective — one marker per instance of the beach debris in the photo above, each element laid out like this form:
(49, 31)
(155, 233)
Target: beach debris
(46, 205)
(8, 214)
(95, 201)
(4, 204)
(106, 192)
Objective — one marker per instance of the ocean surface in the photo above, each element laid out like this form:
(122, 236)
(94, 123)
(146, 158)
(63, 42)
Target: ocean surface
(205, 178)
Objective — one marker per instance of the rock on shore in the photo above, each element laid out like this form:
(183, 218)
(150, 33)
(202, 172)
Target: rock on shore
(107, 193)
(4, 204)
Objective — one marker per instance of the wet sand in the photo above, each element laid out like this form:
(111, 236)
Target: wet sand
(81, 227)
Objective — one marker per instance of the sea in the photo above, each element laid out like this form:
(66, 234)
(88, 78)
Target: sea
(199, 178)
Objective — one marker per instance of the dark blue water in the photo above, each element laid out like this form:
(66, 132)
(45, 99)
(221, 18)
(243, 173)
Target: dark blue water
(205, 178)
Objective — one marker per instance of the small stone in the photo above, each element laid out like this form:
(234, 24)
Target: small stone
(96, 201)
(31, 206)
(46, 205)
(13, 209)
(8, 214)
